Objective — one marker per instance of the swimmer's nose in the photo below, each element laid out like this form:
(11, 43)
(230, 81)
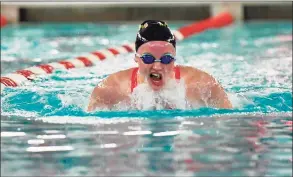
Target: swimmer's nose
(157, 65)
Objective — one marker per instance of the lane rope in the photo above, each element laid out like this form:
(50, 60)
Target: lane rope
(19, 77)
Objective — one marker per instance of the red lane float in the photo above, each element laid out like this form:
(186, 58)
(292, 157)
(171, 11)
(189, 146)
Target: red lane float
(3, 21)
(218, 21)
(17, 78)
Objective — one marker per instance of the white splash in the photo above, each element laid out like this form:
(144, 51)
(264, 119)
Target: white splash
(173, 95)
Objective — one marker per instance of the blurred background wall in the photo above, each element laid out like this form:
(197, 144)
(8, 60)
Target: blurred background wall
(130, 11)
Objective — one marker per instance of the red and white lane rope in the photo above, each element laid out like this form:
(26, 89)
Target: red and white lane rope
(17, 78)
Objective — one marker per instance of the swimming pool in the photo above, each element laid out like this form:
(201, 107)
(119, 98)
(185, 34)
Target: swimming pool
(45, 130)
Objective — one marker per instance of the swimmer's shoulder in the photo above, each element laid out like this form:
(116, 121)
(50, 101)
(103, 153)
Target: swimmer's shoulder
(192, 73)
(197, 77)
(120, 79)
(122, 75)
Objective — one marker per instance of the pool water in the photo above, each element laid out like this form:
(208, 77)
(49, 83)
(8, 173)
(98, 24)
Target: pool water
(45, 129)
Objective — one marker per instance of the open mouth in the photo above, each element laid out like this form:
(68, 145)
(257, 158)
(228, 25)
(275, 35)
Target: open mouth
(156, 76)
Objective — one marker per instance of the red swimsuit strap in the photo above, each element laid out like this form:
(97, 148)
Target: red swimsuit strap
(134, 79)
(134, 76)
(177, 72)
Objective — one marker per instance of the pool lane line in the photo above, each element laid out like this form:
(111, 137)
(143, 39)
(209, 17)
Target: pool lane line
(19, 77)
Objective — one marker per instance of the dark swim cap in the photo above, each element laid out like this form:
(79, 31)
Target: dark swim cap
(154, 30)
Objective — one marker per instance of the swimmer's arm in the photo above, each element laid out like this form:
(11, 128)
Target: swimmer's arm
(104, 95)
(206, 90)
(219, 97)
(100, 98)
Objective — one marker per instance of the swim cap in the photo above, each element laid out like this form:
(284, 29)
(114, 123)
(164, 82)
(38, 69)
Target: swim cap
(154, 30)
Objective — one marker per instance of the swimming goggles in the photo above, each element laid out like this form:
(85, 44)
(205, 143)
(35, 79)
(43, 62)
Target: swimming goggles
(149, 59)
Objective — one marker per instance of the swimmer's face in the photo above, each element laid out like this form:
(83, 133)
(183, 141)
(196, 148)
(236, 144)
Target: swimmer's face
(157, 73)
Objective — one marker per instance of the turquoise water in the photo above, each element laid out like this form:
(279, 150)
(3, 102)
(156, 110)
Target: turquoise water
(45, 130)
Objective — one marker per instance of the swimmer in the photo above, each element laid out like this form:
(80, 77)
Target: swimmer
(155, 56)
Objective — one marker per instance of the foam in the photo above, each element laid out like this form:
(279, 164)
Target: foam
(172, 95)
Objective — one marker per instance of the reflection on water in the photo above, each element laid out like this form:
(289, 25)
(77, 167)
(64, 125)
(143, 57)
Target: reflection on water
(225, 145)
